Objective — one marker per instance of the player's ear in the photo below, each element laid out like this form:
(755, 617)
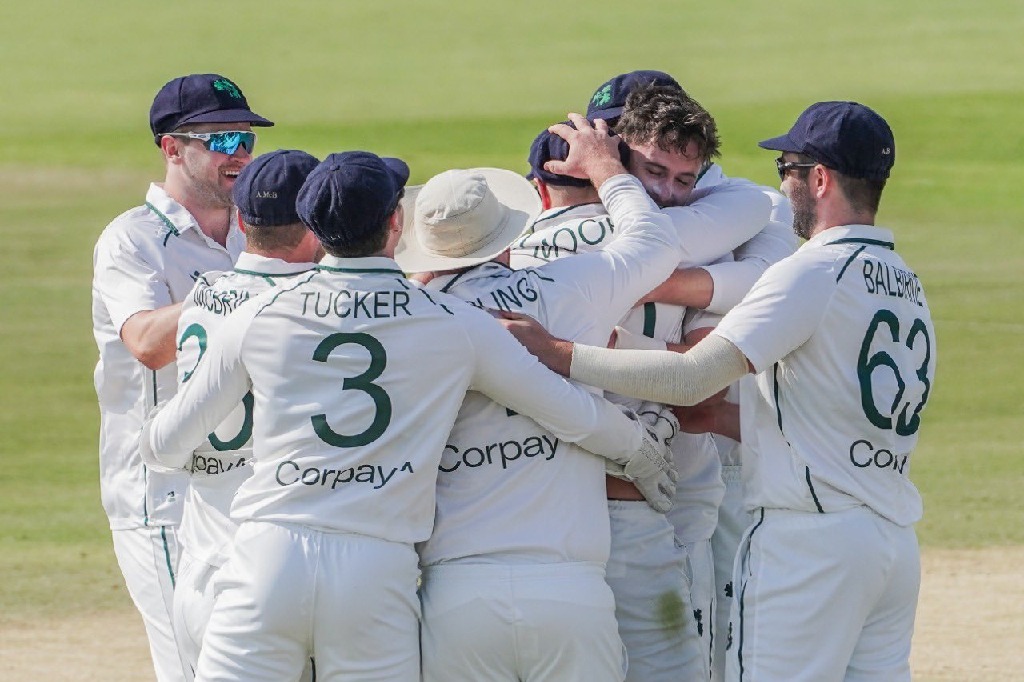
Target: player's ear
(171, 147)
(820, 180)
(396, 218)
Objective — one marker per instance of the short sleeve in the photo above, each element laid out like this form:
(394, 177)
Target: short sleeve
(781, 311)
(126, 282)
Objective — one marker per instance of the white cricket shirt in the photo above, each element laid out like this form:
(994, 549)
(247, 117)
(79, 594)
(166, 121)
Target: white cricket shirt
(221, 462)
(357, 376)
(509, 490)
(774, 241)
(146, 258)
(720, 217)
(717, 220)
(843, 341)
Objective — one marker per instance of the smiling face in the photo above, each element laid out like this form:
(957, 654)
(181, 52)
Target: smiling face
(209, 176)
(668, 176)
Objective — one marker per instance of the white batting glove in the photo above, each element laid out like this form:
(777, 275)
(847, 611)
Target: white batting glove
(661, 423)
(651, 468)
(663, 426)
(658, 490)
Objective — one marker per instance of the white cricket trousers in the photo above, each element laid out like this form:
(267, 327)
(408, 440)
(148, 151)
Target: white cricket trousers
(193, 604)
(649, 574)
(824, 598)
(519, 623)
(733, 521)
(700, 578)
(290, 592)
(148, 558)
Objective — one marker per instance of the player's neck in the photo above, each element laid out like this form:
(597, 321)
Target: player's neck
(560, 197)
(215, 222)
(213, 218)
(838, 214)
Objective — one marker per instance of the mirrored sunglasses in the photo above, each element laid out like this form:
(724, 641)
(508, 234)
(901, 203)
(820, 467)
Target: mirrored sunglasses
(225, 142)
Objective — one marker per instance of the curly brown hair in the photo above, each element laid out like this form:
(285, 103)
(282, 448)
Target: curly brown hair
(671, 119)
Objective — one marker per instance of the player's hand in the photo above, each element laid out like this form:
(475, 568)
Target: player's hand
(697, 419)
(554, 352)
(654, 456)
(421, 277)
(661, 423)
(149, 458)
(593, 151)
(658, 490)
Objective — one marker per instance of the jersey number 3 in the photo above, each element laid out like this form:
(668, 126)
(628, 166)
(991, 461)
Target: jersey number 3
(866, 366)
(364, 383)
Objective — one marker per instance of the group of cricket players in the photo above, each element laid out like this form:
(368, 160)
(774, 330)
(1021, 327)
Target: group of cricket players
(607, 421)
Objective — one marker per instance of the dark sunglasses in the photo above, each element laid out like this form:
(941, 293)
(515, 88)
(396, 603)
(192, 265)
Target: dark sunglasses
(225, 142)
(784, 166)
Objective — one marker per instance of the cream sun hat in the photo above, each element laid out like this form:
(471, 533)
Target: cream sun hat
(464, 217)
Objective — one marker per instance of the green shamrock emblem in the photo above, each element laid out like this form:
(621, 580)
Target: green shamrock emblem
(602, 96)
(228, 87)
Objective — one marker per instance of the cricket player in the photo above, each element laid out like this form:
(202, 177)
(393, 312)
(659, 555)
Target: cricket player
(144, 264)
(709, 496)
(705, 279)
(356, 377)
(527, 600)
(278, 248)
(843, 345)
(664, 617)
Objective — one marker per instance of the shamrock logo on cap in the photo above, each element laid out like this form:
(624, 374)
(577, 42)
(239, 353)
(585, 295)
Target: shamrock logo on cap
(602, 96)
(228, 87)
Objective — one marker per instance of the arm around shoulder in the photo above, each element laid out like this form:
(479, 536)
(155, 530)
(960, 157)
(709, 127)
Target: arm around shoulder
(149, 335)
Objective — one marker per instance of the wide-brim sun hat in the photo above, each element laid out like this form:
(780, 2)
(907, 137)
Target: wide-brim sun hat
(461, 218)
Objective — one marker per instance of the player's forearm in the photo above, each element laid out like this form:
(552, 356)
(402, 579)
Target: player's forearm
(688, 287)
(665, 377)
(718, 221)
(149, 335)
(727, 420)
(721, 418)
(214, 390)
(623, 197)
(732, 280)
(644, 252)
(570, 412)
(554, 352)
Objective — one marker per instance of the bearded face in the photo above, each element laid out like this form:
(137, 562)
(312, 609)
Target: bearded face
(805, 208)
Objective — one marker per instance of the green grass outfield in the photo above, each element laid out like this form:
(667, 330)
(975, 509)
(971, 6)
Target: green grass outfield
(470, 83)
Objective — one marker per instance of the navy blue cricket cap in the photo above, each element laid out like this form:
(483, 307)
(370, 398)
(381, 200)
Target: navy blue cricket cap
(349, 196)
(845, 136)
(266, 189)
(200, 98)
(550, 147)
(608, 100)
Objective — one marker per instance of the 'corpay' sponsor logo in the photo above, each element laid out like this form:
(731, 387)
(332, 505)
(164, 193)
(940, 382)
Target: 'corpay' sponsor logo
(501, 453)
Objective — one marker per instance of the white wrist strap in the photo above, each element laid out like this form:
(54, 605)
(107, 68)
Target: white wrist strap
(632, 341)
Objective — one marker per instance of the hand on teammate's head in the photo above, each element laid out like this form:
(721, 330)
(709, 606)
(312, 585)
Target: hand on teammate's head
(593, 150)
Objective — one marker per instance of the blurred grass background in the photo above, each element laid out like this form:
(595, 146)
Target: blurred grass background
(461, 83)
